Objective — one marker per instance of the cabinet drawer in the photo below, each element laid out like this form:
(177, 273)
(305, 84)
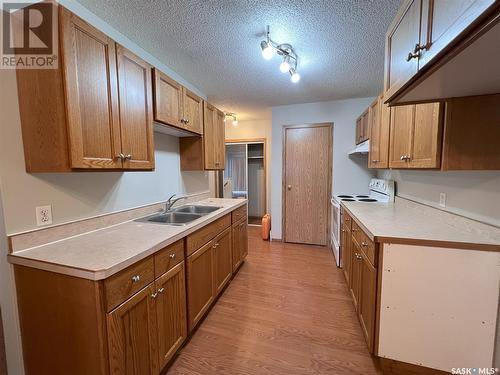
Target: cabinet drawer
(125, 283)
(168, 257)
(366, 245)
(201, 237)
(346, 220)
(239, 213)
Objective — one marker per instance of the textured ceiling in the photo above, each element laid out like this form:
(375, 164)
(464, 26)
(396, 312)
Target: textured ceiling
(214, 44)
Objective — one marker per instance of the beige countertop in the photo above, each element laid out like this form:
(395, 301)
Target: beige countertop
(101, 253)
(408, 222)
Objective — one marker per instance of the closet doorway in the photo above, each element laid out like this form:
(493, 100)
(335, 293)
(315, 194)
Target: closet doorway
(245, 175)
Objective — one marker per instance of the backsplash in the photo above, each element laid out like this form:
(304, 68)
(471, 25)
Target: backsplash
(473, 194)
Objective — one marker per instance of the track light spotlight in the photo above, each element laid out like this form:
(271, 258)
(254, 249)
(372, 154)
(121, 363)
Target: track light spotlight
(294, 76)
(290, 58)
(285, 65)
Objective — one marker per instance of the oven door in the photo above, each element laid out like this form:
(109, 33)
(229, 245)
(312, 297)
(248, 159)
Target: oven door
(335, 230)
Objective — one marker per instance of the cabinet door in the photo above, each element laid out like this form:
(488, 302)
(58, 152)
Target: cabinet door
(131, 335)
(346, 254)
(244, 239)
(193, 111)
(402, 120)
(209, 136)
(374, 124)
(136, 110)
(443, 21)
(171, 313)
(236, 248)
(365, 127)
(167, 100)
(220, 140)
(367, 299)
(90, 79)
(355, 272)
(379, 135)
(426, 136)
(358, 129)
(403, 36)
(200, 283)
(223, 262)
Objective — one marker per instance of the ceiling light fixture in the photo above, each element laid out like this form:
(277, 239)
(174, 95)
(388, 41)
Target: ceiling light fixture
(290, 58)
(233, 115)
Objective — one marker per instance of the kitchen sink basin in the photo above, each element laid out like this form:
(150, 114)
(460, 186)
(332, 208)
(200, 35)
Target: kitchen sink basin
(172, 218)
(201, 210)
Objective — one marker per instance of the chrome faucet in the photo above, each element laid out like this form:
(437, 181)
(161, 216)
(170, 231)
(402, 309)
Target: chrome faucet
(171, 201)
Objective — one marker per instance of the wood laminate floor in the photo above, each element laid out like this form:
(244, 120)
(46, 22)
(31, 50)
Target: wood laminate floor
(287, 311)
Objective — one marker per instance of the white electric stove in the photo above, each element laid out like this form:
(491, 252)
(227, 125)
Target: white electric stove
(379, 191)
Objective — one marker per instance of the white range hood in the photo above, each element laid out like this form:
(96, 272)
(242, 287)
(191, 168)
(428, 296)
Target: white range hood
(362, 148)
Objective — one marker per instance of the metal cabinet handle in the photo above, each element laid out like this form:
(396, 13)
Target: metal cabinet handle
(161, 290)
(186, 121)
(136, 278)
(154, 295)
(172, 256)
(358, 257)
(120, 156)
(374, 161)
(412, 55)
(402, 157)
(289, 187)
(128, 157)
(364, 244)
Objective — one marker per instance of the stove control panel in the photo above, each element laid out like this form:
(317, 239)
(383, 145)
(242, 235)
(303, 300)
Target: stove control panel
(382, 186)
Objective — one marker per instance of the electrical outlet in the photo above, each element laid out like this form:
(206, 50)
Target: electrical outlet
(43, 215)
(442, 199)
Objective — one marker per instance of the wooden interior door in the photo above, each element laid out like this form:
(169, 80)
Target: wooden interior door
(307, 164)
(193, 111)
(167, 101)
(136, 110)
(200, 283)
(426, 136)
(367, 299)
(171, 313)
(223, 261)
(131, 335)
(91, 94)
(220, 137)
(402, 120)
(209, 137)
(401, 39)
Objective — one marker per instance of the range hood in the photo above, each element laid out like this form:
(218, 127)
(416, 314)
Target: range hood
(362, 148)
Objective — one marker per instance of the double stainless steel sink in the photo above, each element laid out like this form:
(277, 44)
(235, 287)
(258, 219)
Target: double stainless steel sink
(180, 216)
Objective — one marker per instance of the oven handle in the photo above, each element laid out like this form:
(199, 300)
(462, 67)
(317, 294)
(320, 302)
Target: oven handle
(334, 203)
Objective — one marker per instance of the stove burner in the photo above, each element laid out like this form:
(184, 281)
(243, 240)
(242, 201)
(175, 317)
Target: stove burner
(348, 200)
(345, 196)
(367, 200)
(362, 196)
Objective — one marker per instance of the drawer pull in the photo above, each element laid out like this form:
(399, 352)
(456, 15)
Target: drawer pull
(354, 229)
(172, 256)
(136, 278)
(358, 257)
(154, 295)
(161, 290)
(364, 244)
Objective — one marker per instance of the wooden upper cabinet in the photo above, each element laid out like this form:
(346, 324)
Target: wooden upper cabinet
(90, 79)
(443, 21)
(415, 140)
(362, 128)
(380, 120)
(171, 313)
(401, 39)
(209, 137)
(193, 112)
(400, 135)
(167, 100)
(136, 110)
(92, 111)
(131, 335)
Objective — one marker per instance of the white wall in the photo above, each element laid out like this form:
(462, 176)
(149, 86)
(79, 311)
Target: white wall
(251, 129)
(350, 173)
(473, 194)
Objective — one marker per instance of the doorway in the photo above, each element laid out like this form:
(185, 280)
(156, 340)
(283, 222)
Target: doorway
(245, 175)
(307, 183)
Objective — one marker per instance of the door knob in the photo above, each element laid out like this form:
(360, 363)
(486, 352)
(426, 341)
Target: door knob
(289, 187)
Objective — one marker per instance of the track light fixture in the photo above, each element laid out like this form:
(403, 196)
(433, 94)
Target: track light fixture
(285, 50)
(233, 115)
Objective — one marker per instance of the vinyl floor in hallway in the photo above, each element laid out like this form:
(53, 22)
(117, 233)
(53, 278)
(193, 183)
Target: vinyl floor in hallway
(287, 311)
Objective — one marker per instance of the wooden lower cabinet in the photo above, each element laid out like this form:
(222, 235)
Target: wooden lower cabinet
(240, 243)
(222, 255)
(346, 254)
(367, 299)
(355, 274)
(171, 313)
(132, 335)
(200, 283)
